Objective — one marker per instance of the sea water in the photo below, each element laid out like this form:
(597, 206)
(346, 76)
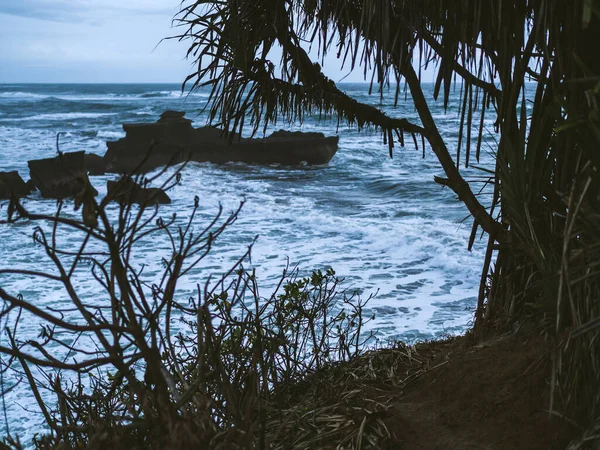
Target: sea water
(381, 223)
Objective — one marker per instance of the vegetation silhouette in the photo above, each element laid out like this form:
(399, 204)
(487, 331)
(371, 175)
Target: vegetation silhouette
(144, 365)
(526, 62)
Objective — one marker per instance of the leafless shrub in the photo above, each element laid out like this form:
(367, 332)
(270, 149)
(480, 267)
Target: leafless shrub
(144, 364)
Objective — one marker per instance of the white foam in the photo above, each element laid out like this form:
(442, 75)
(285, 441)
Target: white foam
(110, 135)
(60, 116)
(22, 95)
(118, 97)
(380, 223)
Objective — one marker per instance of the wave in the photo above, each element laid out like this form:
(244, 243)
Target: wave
(172, 94)
(111, 135)
(60, 116)
(21, 95)
(388, 187)
(158, 94)
(102, 97)
(56, 98)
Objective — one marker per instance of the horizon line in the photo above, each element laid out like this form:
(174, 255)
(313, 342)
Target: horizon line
(156, 82)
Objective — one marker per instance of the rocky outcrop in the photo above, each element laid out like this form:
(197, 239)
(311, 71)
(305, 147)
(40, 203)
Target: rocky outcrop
(94, 164)
(172, 140)
(12, 185)
(63, 176)
(126, 191)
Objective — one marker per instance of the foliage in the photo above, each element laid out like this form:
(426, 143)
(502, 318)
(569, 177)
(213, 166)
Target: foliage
(144, 364)
(220, 383)
(541, 259)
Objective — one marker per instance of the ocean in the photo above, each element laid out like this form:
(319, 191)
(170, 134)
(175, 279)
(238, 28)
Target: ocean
(381, 223)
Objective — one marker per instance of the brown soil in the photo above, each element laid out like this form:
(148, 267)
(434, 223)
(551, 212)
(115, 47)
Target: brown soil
(491, 396)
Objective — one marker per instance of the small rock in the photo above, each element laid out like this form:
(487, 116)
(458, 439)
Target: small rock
(126, 191)
(11, 184)
(171, 115)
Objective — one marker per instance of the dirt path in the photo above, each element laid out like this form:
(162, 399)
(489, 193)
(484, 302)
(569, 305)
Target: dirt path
(492, 396)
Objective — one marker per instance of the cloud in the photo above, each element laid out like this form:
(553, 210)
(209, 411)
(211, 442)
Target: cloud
(99, 42)
(90, 11)
(52, 10)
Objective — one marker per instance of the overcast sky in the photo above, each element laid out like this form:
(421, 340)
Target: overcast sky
(95, 41)
(89, 41)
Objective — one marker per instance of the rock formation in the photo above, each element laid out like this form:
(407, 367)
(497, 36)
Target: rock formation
(172, 140)
(12, 185)
(63, 176)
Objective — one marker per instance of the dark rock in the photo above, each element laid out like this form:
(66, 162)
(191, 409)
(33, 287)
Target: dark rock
(172, 115)
(94, 164)
(12, 185)
(30, 185)
(126, 191)
(63, 176)
(172, 140)
(285, 135)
